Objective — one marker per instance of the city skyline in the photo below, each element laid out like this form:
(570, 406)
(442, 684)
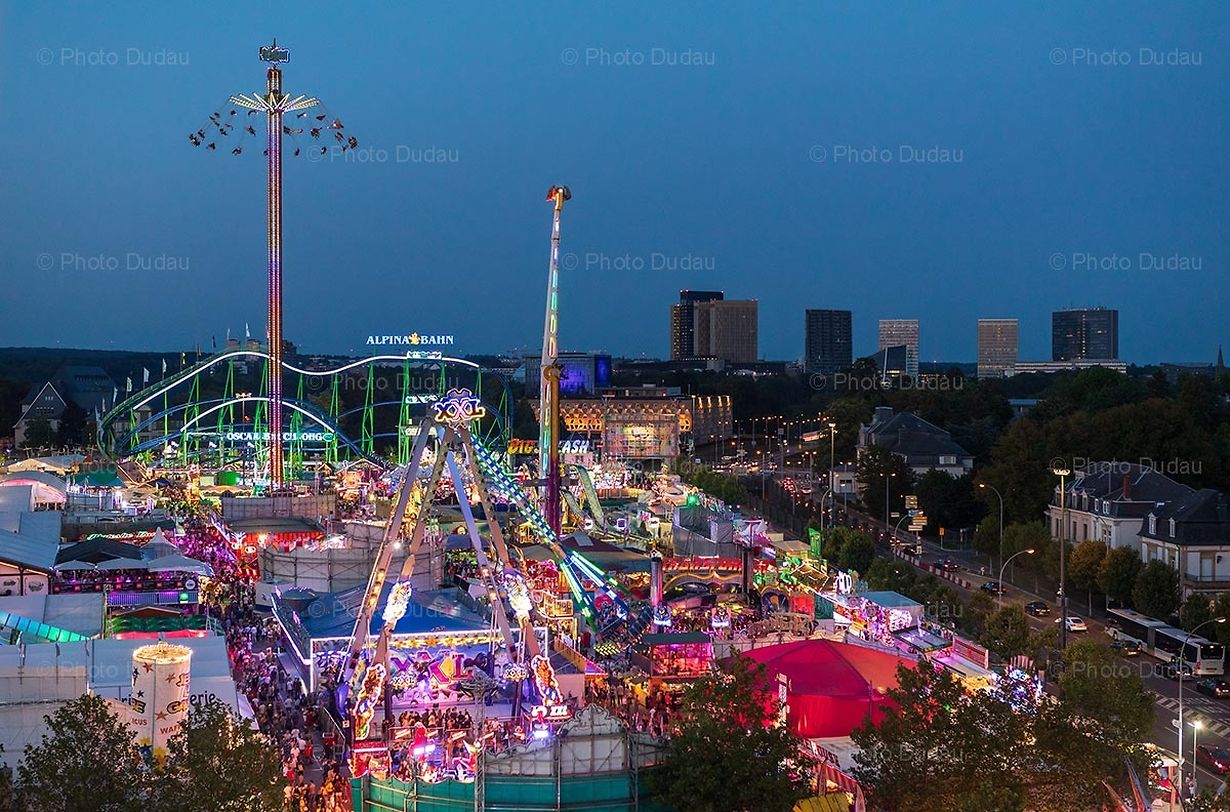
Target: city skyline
(449, 189)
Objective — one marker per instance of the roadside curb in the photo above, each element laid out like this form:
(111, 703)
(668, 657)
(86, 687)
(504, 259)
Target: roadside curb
(934, 570)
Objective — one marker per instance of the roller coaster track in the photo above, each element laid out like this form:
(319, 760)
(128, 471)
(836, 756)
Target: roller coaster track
(146, 396)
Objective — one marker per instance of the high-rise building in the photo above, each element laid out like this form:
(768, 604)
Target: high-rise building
(726, 329)
(827, 345)
(902, 332)
(683, 320)
(998, 346)
(1085, 333)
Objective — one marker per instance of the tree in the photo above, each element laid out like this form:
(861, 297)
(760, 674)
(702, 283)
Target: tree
(1086, 562)
(729, 754)
(855, 549)
(1197, 610)
(986, 535)
(1098, 684)
(1156, 591)
(72, 431)
(877, 465)
(39, 434)
(938, 748)
(949, 501)
(218, 762)
(87, 761)
(890, 575)
(974, 617)
(1006, 632)
(1117, 574)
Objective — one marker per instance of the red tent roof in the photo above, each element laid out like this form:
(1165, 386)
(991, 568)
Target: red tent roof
(833, 686)
(831, 669)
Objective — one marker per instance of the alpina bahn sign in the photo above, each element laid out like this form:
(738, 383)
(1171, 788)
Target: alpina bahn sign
(412, 340)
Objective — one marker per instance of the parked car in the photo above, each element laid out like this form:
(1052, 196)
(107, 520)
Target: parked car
(1037, 609)
(1214, 758)
(1128, 648)
(1075, 624)
(1214, 687)
(994, 587)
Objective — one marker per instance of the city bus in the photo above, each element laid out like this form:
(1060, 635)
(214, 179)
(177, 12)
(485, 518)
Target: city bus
(1204, 656)
(1161, 640)
(1124, 624)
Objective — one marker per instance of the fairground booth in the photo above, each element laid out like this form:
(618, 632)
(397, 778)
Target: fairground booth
(671, 660)
(872, 616)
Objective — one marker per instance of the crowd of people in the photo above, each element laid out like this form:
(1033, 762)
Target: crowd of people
(284, 711)
(653, 713)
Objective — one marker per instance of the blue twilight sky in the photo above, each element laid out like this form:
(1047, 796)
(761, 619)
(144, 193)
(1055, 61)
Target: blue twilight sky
(1072, 165)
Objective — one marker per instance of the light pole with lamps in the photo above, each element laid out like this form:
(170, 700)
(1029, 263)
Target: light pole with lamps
(1197, 726)
(832, 473)
(1001, 527)
(1029, 551)
(1062, 473)
(1179, 669)
(887, 478)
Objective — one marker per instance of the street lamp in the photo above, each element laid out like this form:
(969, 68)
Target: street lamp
(832, 473)
(1001, 526)
(887, 478)
(1029, 551)
(1182, 655)
(1197, 726)
(1062, 473)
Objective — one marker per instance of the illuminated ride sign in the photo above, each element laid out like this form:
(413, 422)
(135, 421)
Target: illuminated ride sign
(458, 408)
(519, 447)
(412, 340)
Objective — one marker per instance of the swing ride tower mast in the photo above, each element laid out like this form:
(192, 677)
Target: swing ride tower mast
(548, 398)
(274, 104)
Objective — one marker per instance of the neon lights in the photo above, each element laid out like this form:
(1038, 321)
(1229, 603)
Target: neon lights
(368, 695)
(458, 408)
(518, 595)
(720, 618)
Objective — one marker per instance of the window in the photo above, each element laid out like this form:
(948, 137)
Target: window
(1172, 528)
(1152, 525)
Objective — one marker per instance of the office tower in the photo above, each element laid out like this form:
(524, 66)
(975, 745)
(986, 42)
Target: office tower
(683, 318)
(726, 330)
(902, 332)
(998, 346)
(827, 345)
(1085, 333)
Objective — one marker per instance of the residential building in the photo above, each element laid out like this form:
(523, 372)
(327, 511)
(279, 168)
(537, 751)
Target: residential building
(1085, 334)
(924, 446)
(998, 345)
(683, 318)
(1106, 501)
(902, 332)
(827, 342)
(727, 329)
(1191, 534)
